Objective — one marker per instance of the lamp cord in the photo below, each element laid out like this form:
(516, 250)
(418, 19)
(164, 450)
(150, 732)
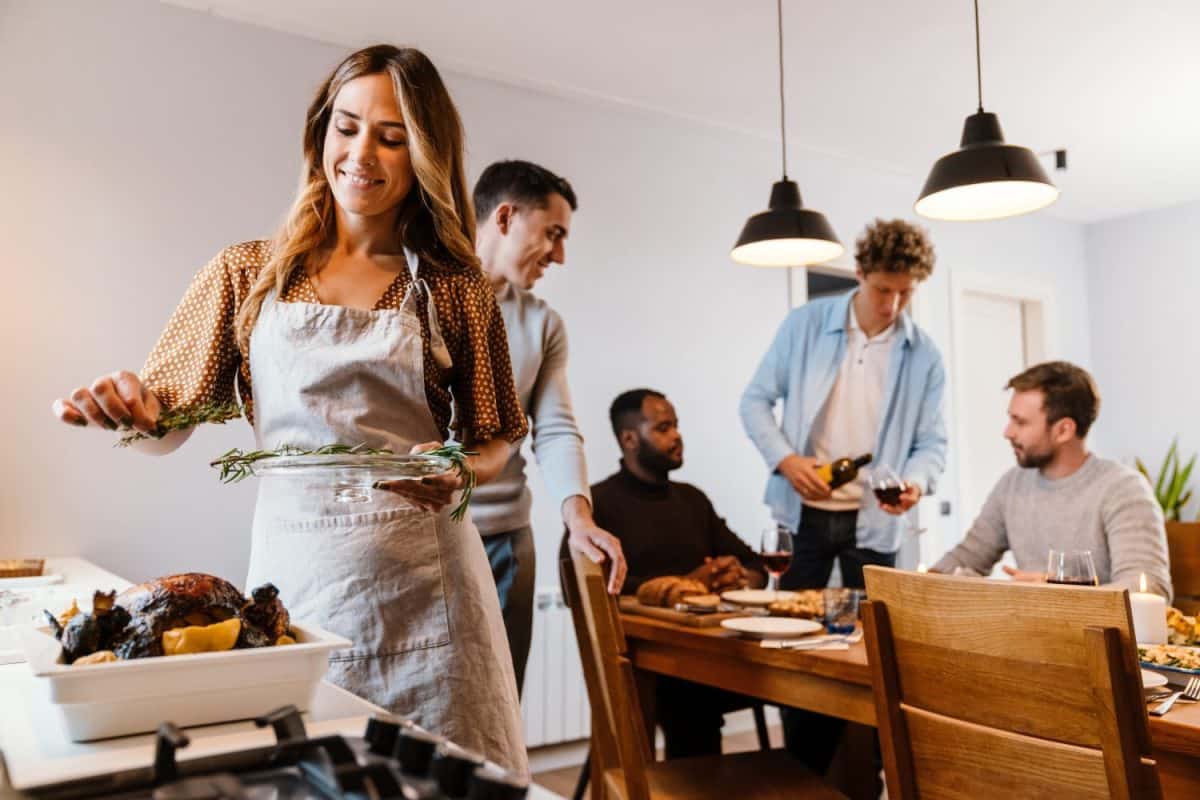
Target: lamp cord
(978, 60)
(782, 113)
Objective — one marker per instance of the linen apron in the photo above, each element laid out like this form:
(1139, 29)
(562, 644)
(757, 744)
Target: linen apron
(411, 589)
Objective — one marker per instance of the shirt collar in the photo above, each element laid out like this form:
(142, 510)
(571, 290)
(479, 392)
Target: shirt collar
(839, 317)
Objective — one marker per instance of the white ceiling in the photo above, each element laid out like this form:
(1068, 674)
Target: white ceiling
(885, 83)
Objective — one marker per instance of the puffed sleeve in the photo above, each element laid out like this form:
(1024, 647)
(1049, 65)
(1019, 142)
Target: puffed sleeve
(196, 359)
(485, 396)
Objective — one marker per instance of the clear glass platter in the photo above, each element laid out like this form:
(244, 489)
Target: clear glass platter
(353, 477)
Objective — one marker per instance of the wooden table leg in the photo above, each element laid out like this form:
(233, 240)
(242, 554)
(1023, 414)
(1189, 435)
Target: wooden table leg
(853, 771)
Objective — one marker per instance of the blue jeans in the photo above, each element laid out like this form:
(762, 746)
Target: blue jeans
(513, 561)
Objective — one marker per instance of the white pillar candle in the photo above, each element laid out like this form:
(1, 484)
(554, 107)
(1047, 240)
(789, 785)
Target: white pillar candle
(1149, 615)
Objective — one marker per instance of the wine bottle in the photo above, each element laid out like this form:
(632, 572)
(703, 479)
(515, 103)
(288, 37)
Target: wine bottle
(840, 472)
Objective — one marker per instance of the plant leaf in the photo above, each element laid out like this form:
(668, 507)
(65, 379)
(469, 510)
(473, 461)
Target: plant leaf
(1162, 475)
(1141, 467)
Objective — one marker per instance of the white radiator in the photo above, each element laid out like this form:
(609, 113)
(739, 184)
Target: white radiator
(554, 705)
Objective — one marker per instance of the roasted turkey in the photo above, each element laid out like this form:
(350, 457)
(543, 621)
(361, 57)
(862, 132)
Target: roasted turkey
(132, 624)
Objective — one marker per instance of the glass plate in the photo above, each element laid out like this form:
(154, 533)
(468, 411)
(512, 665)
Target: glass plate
(352, 477)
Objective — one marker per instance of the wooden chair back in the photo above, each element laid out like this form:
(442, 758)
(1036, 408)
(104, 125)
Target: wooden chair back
(1183, 545)
(1006, 689)
(619, 737)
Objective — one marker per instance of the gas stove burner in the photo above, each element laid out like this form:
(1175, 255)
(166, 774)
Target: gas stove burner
(394, 758)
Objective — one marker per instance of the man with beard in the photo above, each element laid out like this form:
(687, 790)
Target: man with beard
(669, 528)
(524, 213)
(1062, 496)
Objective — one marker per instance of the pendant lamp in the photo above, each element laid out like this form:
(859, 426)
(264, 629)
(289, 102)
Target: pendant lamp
(787, 234)
(985, 178)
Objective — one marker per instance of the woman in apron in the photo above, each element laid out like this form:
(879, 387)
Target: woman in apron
(368, 320)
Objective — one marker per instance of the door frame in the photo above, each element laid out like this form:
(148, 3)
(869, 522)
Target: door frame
(1042, 343)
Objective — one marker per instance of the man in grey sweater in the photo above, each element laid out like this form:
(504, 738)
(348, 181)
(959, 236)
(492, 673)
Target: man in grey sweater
(524, 214)
(1061, 496)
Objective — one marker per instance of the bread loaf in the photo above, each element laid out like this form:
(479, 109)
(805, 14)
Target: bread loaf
(668, 590)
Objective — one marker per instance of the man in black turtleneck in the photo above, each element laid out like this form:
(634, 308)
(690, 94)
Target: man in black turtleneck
(669, 528)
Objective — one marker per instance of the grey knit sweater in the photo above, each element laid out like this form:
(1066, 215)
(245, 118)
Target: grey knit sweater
(1103, 506)
(537, 343)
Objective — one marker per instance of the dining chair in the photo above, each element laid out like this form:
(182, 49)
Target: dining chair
(1003, 689)
(622, 761)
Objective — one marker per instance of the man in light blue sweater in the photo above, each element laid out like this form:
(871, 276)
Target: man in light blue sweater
(524, 214)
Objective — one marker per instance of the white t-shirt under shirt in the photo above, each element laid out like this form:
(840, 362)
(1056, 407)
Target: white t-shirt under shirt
(848, 425)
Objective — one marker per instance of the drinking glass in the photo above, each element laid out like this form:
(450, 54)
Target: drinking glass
(1071, 567)
(887, 487)
(841, 609)
(776, 553)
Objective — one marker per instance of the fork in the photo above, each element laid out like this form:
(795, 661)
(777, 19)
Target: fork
(1191, 692)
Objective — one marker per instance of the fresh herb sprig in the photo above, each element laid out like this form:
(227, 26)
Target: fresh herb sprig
(174, 419)
(237, 464)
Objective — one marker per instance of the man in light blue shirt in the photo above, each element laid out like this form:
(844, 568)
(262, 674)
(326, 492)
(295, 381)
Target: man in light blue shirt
(855, 375)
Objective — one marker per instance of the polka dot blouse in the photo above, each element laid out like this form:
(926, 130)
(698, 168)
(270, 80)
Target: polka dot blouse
(197, 358)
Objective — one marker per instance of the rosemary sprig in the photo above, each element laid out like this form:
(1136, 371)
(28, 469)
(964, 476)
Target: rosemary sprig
(237, 464)
(174, 419)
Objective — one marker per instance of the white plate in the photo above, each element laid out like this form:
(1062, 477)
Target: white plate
(772, 627)
(1152, 680)
(757, 597)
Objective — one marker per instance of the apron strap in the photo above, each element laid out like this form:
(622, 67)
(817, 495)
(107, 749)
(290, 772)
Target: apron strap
(437, 345)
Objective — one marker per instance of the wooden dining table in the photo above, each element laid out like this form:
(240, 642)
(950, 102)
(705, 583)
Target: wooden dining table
(838, 683)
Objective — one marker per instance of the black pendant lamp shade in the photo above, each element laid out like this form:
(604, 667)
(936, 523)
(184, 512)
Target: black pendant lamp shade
(985, 178)
(786, 234)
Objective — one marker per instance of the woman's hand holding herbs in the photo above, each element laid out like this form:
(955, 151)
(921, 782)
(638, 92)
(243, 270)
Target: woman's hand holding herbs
(431, 493)
(117, 400)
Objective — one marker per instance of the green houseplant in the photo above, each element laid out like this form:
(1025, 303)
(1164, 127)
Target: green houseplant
(1171, 488)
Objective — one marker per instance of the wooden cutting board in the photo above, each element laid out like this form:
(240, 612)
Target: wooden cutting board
(630, 605)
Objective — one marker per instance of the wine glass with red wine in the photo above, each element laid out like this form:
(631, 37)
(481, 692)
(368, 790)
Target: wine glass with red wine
(776, 553)
(1071, 567)
(888, 487)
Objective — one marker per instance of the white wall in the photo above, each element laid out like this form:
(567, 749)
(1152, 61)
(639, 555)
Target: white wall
(1145, 281)
(140, 139)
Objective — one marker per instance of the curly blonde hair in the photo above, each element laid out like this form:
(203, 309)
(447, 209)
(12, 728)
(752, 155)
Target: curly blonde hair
(436, 219)
(895, 246)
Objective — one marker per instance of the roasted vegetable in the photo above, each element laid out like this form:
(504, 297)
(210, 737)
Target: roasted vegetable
(202, 638)
(266, 618)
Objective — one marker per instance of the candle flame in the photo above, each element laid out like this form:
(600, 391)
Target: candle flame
(1142, 582)
(922, 568)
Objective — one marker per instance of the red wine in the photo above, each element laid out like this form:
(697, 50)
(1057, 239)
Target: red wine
(890, 495)
(777, 563)
(1074, 581)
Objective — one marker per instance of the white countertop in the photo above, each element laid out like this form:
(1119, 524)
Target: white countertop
(38, 750)
(63, 580)
(36, 747)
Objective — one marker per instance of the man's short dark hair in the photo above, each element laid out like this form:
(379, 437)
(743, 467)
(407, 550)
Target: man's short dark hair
(520, 183)
(1069, 392)
(626, 411)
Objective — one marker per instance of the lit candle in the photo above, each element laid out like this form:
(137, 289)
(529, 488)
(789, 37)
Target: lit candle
(922, 568)
(1149, 615)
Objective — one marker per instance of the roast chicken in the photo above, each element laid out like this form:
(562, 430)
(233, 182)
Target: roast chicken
(132, 625)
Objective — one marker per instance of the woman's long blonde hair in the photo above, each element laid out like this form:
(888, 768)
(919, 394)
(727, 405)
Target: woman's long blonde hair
(436, 219)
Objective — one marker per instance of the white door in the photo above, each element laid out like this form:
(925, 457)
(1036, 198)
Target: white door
(993, 350)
